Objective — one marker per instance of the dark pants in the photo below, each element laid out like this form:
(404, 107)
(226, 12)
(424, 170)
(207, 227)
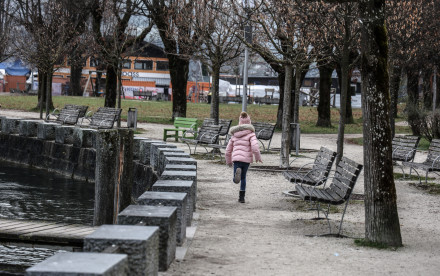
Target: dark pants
(244, 167)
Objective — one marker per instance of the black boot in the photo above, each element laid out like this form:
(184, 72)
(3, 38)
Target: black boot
(241, 198)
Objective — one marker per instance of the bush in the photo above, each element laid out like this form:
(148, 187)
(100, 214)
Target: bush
(423, 122)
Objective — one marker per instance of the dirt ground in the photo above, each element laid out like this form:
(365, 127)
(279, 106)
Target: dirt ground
(267, 234)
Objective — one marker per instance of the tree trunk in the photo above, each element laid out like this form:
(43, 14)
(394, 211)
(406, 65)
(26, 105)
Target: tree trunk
(394, 92)
(110, 87)
(413, 87)
(118, 93)
(281, 79)
(427, 91)
(413, 101)
(179, 78)
(75, 78)
(325, 83)
(47, 94)
(285, 136)
(298, 72)
(41, 91)
(381, 217)
(343, 104)
(349, 109)
(215, 93)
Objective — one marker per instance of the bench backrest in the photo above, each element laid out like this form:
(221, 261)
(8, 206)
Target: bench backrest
(209, 134)
(138, 93)
(68, 116)
(110, 111)
(346, 175)
(81, 108)
(226, 124)
(434, 154)
(102, 120)
(323, 163)
(105, 117)
(404, 147)
(264, 131)
(182, 122)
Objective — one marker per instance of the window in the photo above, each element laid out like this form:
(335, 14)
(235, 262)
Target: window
(126, 64)
(143, 65)
(94, 62)
(162, 66)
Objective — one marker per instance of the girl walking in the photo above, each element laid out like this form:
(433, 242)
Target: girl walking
(241, 148)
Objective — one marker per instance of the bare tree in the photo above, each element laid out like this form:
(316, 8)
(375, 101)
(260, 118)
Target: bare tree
(173, 21)
(337, 38)
(381, 217)
(219, 44)
(117, 25)
(281, 29)
(6, 26)
(46, 32)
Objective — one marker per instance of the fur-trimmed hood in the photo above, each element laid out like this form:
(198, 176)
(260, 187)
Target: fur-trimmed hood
(238, 128)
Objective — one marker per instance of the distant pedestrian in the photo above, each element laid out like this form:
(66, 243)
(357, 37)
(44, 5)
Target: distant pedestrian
(241, 148)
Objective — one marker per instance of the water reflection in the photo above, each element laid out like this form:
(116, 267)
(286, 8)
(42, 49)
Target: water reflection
(34, 194)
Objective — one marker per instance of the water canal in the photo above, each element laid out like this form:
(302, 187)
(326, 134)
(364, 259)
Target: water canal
(35, 194)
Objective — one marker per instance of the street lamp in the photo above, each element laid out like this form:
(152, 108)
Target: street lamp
(248, 38)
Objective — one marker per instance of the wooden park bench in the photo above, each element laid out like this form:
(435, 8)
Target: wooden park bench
(103, 118)
(338, 192)
(181, 125)
(82, 109)
(318, 173)
(219, 146)
(404, 149)
(66, 116)
(207, 135)
(264, 131)
(145, 95)
(431, 164)
(226, 124)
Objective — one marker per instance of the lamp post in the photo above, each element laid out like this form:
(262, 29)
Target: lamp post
(248, 38)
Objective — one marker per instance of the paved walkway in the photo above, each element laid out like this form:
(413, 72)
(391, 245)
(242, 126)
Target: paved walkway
(266, 235)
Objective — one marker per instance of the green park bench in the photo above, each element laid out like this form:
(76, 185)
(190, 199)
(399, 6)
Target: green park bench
(181, 125)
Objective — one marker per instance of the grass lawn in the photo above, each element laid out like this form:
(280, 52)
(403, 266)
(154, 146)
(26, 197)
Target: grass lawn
(160, 112)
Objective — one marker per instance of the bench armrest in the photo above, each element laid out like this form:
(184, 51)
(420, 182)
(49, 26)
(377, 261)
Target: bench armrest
(88, 116)
(436, 160)
(191, 131)
(53, 114)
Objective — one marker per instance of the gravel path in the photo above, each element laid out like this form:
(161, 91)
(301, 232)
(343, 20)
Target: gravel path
(267, 234)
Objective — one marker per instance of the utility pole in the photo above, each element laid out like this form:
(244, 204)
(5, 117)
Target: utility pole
(248, 38)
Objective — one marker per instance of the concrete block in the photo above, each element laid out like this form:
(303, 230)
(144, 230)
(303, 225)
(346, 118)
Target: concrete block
(10, 125)
(64, 134)
(180, 161)
(84, 264)
(137, 146)
(168, 152)
(182, 175)
(84, 137)
(178, 200)
(165, 218)
(177, 167)
(144, 150)
(154, 153)
(46, 131)
(179, 186)
(140, 243)
(28, 128)
(1, 118)
(143, 179)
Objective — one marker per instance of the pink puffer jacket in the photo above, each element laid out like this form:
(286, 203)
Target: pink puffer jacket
(242, 145)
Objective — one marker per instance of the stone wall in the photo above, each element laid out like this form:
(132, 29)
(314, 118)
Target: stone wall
(19, 143)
